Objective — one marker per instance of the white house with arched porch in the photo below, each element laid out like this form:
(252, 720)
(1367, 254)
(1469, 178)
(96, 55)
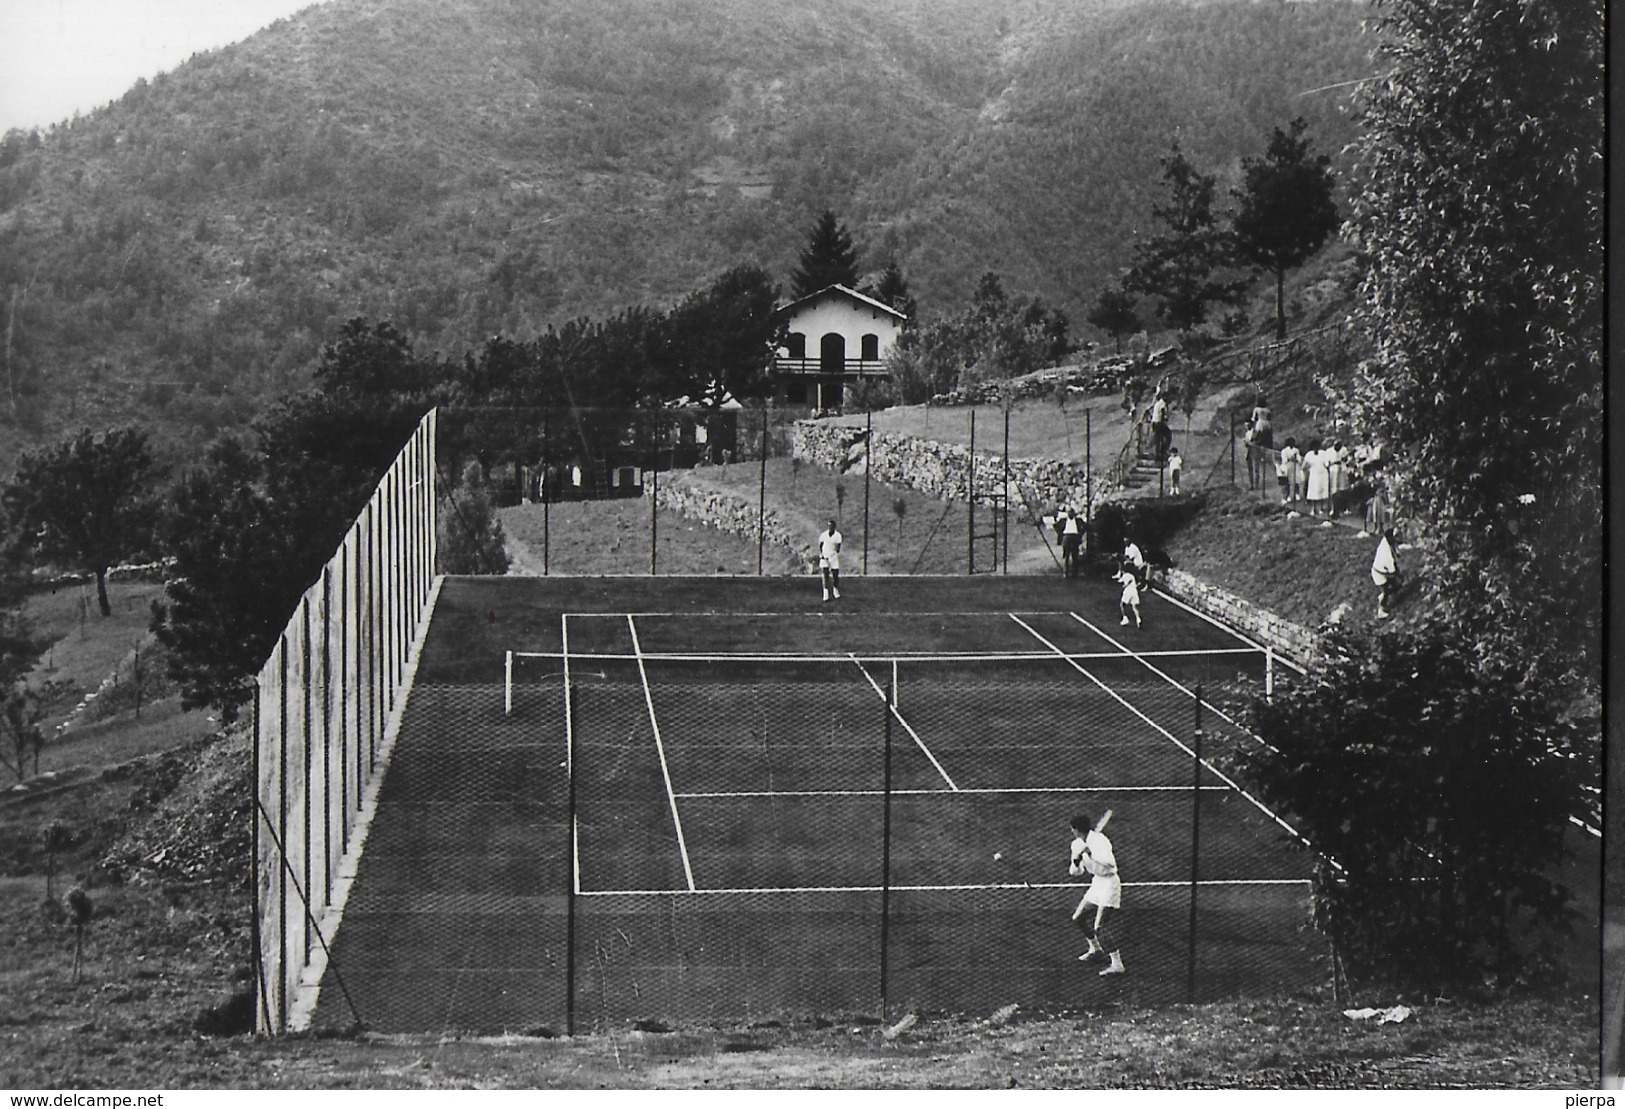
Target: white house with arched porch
(834, 338)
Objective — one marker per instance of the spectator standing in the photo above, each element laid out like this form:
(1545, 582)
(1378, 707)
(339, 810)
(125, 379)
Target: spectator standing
(1319, 491)
(1260, 440)
(1071, 538)
(1162, 436)
(1176, 466)
(1384, 569)
(1291, 466)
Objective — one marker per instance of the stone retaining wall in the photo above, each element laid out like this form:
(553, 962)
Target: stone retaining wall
(940, 470)
(1291, 641)
(729, 513)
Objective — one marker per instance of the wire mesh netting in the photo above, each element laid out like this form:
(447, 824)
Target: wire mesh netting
(764, 481)
(619, 833)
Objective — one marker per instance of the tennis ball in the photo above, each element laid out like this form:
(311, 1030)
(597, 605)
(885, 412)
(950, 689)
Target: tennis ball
(997, 855)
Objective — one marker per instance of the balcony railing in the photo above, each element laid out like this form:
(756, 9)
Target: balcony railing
(816, 367)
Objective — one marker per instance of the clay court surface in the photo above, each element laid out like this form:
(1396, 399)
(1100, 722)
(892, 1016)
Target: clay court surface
(782, 807)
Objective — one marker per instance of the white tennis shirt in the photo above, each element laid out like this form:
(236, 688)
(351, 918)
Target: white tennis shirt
(829, 549)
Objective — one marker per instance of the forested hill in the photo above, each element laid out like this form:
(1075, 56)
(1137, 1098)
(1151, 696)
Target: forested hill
(467, 167)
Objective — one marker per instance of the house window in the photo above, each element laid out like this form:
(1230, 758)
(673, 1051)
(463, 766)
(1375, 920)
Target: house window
(871, 348)
(796, 345)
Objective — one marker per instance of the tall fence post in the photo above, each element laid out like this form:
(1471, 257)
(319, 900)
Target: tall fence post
(885, 839)
(868, 465)
(262, 1006)
(571, 847)
(654, 521)
(1196, 843)
(761, 499)
(1004, 495)
(970, 502)
(1232, 448)
(1088, 472)
(547, 486)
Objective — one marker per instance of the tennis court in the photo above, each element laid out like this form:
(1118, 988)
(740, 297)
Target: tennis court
(620, 799)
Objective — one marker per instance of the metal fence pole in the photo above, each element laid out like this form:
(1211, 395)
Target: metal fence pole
(885, 840)
(326, 616)
(654, 523)
(1232, 448)
(868, 465)
(307, 754)
(571, 878)
(282, 835)
(761, 499)
(547, 489)
(1196, 843)
(970, 502)
(1088, 471)
(262, 1011)
(1004, 496)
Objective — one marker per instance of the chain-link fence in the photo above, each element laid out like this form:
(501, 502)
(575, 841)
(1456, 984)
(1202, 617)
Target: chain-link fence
(615, 833)
(323, 706)
(748, 490)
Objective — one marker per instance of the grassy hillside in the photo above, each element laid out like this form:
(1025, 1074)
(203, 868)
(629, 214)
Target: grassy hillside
(471, 166)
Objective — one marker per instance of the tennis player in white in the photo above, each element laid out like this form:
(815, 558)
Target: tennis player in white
(1092, 855)
(829, 560)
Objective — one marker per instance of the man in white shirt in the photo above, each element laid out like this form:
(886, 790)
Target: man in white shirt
(1136, 560)
(829, 560)
(1092, 855)
(1162, 435)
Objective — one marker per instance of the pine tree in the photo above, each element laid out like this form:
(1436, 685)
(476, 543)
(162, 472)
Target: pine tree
(828, 259)
(1185, 266)
(1287, 211)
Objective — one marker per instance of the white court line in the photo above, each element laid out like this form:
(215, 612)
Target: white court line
(892, 708)
(1215, 709)
(1223, 627)
(1181, 884)
(893, 656)
(980, 791)
(1169, 735)
(665, 771)
(811, 615)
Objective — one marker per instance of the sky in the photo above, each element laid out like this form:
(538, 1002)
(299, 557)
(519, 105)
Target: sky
(58, 57)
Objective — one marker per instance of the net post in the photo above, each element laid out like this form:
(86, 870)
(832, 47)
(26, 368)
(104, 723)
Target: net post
(507, 683)
(1269, 673)
(885, 840)
(1196, 845)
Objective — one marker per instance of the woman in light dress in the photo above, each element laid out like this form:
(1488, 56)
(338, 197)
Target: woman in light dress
(1318, 462)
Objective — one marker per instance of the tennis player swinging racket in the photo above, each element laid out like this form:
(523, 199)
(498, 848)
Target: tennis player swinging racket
(1092, 855)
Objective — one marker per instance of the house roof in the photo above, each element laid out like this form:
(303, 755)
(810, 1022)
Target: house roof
(842, 291)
